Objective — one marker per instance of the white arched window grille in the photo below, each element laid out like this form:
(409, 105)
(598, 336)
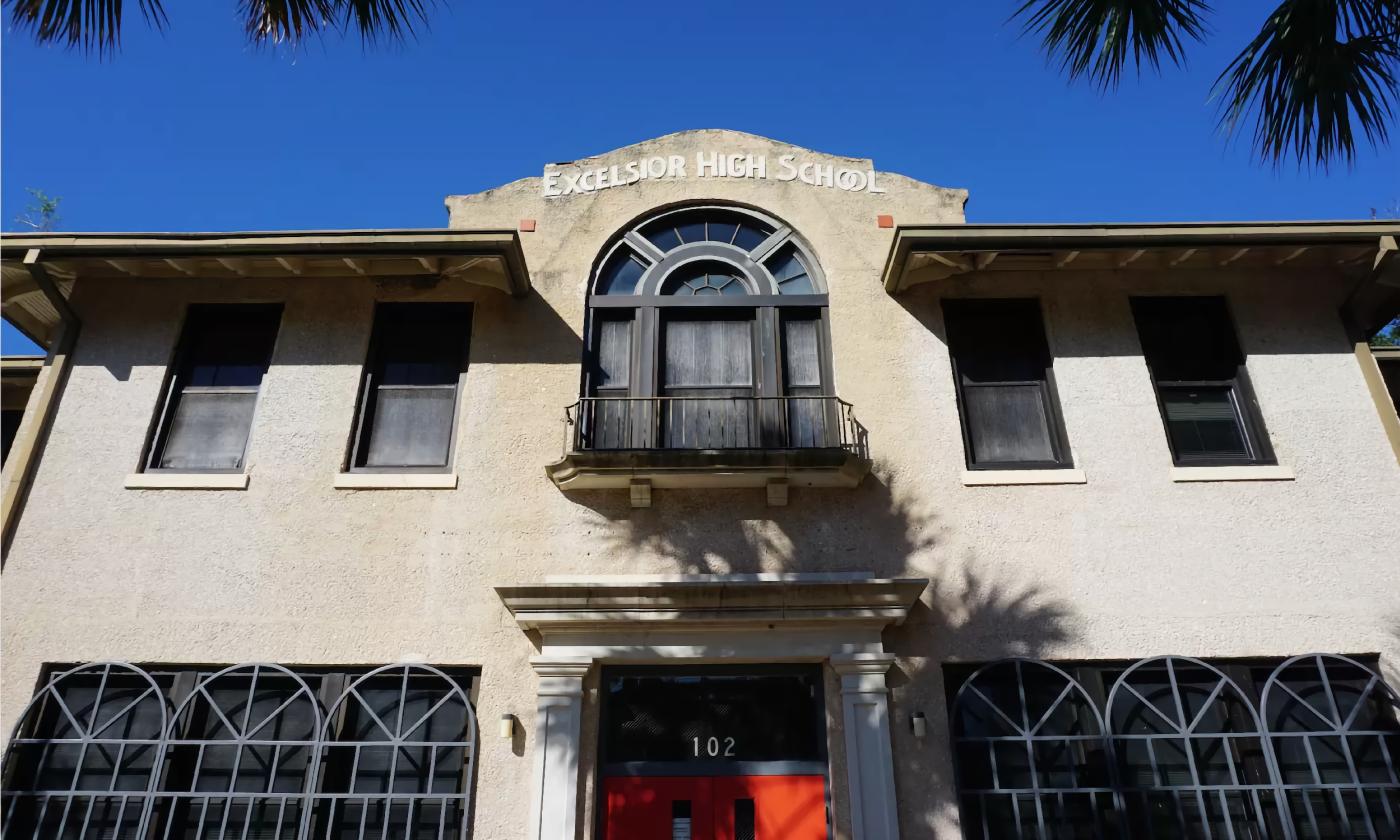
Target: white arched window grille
(1332, 725)
(399, 763)
(708, 329)
(1188, 753)
(85, 755)
(239, 757)
(1029, 754)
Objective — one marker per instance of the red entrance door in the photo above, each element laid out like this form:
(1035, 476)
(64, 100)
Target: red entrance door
(715, 808)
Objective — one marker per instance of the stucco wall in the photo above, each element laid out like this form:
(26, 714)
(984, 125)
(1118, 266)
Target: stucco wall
(295, 571)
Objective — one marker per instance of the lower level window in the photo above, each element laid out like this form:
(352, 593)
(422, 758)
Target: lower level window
(1174, 747)
(112, 750)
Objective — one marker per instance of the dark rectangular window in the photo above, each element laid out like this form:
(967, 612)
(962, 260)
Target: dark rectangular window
(9, 428)
(408, 399)
(707, 378)
(1197, 366)
(808, 415)
(1390, 374)
(609, 419)
(208, 408)
(677, 718)
(744, 820)
(1006, 390)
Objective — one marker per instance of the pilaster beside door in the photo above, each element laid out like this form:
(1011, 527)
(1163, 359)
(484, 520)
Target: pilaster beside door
(865, 713)
(558, 727)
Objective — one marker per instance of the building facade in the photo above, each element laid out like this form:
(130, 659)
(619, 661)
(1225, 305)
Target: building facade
(710, 488)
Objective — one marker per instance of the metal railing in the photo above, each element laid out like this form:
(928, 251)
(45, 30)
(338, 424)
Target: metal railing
(708, 423)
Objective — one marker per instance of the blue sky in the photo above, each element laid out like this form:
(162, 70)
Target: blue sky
(195, 130)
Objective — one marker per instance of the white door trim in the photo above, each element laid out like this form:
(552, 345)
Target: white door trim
(713, 618)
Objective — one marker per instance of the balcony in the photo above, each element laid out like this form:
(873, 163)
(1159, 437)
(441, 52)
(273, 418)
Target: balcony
(711, 441)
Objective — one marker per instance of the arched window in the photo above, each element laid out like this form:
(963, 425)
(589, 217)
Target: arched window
(1187, 752)
(1028, 749)
(707, 330)
(248, 753)
(239, 753)
(400, 763)
(1332, 725)
(85, 755)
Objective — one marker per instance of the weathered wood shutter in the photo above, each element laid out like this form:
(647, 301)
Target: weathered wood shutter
(802, 383)
(609, 423)
(709, 365)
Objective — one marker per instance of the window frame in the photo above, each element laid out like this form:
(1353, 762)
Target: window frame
(649, 310)
(608, 766)
(1248, 413)
(1258, 774)
(10, 420)
(169, 777)
(357, 447)
(158, 437)
(1049, 392)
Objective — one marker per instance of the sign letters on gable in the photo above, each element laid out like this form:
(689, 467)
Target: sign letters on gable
(581, 180)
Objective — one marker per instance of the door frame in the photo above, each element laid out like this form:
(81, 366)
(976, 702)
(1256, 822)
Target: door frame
(820, 766)
(834, 619)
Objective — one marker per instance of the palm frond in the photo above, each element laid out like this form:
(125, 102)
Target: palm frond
(1317, 72)
(87, 25)
(96, 25)
(391, 18)
(293, 21)
(1096, 38)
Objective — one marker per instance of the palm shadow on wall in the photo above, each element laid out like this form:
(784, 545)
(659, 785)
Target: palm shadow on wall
(968, 613)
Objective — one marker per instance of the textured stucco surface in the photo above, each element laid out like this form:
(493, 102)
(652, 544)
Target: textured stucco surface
(295, 571)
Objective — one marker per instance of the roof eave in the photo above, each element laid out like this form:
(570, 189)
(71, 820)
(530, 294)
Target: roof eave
(283, 254)
(957, 239)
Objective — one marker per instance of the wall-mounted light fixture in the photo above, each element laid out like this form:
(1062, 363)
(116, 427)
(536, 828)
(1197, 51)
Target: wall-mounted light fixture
(507, 729)
(919, 724)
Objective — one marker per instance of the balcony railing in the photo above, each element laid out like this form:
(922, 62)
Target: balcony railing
(600, 424)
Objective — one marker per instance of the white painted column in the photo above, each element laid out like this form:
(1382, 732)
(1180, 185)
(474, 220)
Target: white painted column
(558, 721)
(865, 708)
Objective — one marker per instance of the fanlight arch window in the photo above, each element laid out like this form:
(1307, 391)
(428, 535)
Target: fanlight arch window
(772, 257)
(1336, 744)
(254, 751)
(1306, 748)
(1186, 745)
(401, 763)
(707, 329)
(240, 755)
(705, 277)
(85, 755)
(1029, 753)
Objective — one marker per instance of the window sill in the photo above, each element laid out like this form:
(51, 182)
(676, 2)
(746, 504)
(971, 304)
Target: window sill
(395, 481)
(1252, 473)
(1006, 478)
(186, 481)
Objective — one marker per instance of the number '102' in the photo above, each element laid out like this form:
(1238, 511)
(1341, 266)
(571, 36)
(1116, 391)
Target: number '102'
(712, 747)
